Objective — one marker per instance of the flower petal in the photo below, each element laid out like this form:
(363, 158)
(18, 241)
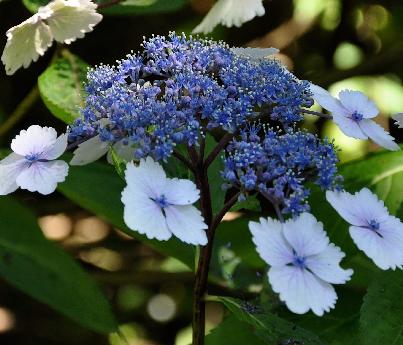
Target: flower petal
(347, 207)
(348, 126)
(180, 192)
(89, 151)
(356, 101)
(58, 149)
(325, 265)
(301, 290)
(384, 248)
(378, 134)
(71, 19)
(270, 243)
(148, 177)
(326, 100)
(230, 13)
(399, 119)
(305, 235)
(254, 54)
(34, 140)
(25, 43)
(10, 167)
(143, 215)
(126, 152)
(42, 177)
(186, 223)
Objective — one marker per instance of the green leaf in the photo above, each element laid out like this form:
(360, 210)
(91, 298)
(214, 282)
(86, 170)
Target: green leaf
(251, 203)
(97, 188)
(61, 87)
(382, 311)
(33, 5)
(118, 162)
(214, 176)
(143, 7)
(233, 332)
(269, 327)
(42, 270)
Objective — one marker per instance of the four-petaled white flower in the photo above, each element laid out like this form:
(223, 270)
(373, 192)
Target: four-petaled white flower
(303, 263)
(32, 165)
(61, 20)
(399, 119)
(230, 13)
(160, 207)
(353, 113)
(378, 234)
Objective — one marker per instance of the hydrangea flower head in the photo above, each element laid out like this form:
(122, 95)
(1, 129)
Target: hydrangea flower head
(378, 234)
(353, 113)
(279, 165)
(303, 263)
(178, 88)
(230, 13)
(160, 207)
(32, 165)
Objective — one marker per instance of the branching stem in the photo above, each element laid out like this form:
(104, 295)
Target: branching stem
(316, 113)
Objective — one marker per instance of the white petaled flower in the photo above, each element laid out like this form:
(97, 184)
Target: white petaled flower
(353, 113)
(32, 165)
(399, 119)
(255, 54)
(303, 263)
(61, 20)
(159, 207)
(230, 13)
(378, 234)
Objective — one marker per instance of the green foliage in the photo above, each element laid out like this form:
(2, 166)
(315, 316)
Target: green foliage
(33, 5)
(42, 270)
(268, 327)
(97, 188)
(382, 311)
(61, 87)
(251, 204)
(143, 7)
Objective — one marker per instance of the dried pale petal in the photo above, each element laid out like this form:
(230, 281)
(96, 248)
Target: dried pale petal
(255, 54)
(71, 19)
(230, 13)
(25, 43)
(399, 119)
(89, 151)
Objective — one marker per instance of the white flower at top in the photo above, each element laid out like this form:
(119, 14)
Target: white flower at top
(32, 165)
(303, 263)
(159, 207)
(378, 234)
(353, 113)
(230, 13)
(61, 20)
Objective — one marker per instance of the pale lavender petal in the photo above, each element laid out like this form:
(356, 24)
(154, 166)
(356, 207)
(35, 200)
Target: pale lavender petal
(187, 224)
(301, 290)
(270, 243)
(143, 215)
(348, 126)
(34, 141)
(58, 149)
(326, 100)
(378, 135)
(10, 167)
(325, 265)
(42, 177)
(305, 235)
(180, 192)
(356, 101)
(89, 151)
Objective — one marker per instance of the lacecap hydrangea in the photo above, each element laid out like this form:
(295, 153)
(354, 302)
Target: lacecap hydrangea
(178, 89)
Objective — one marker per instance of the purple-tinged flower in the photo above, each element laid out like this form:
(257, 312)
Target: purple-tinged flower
(378, 234)
(303, 263)
(160, 207)
(353, 113)
(32, 165)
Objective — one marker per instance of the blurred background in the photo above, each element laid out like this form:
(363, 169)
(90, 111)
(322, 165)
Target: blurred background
(334, 43)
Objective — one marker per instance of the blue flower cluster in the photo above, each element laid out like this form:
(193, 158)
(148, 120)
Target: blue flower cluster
(178, 88)
(278, 164)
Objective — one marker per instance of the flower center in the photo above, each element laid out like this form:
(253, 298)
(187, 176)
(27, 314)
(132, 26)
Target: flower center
(161, 201)
(373, 225)
(32, 157)
(356, 116)
(299, 261)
